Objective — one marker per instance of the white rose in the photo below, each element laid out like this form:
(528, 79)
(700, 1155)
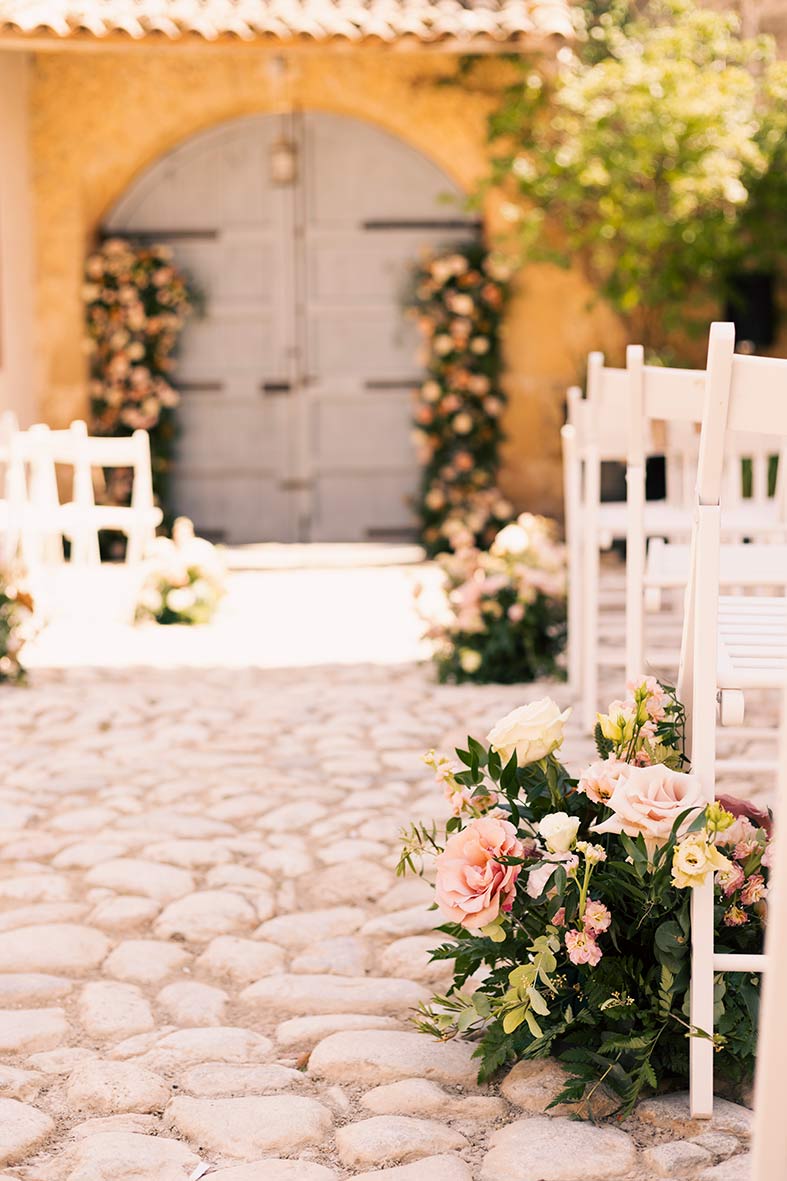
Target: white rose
(180, 598)
(559, 831)
(649, 800)
(513, 539)
(533, 731)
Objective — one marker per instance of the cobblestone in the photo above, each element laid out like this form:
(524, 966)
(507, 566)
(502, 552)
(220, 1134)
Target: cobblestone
(205, 955)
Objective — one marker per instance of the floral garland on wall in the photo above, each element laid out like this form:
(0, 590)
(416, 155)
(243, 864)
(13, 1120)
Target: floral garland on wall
(458, 299)
(136, 304)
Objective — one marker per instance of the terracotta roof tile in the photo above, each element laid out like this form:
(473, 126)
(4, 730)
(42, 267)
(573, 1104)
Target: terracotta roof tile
(321, 20)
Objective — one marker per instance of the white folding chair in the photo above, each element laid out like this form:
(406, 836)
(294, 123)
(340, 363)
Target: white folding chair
(597, 432)
(33, 527)
(656, 564)
(139, 519)
(729, 645)
(38, 521)
(8, 428)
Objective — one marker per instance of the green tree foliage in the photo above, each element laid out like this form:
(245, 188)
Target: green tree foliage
(655, 156)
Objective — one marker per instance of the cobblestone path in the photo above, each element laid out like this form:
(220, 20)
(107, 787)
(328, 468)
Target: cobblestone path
(207, 960)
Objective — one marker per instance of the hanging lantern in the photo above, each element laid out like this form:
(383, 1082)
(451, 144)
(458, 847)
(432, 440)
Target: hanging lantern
(283, 161)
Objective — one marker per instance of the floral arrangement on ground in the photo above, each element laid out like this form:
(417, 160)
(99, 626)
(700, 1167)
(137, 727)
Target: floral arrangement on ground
(184, 580)
(16, 610)
(136, 304)
(567, 900)
(457, 299)
(504, 612)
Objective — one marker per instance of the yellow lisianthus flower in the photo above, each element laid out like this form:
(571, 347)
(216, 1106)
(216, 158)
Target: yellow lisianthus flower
(693, 859)
(718, 818)
(618, 725)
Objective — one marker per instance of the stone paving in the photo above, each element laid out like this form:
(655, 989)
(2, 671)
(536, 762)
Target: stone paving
(207, 962)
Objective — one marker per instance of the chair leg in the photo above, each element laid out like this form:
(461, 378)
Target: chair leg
(590, 595)
(572, 513)
(635, 572)
(700, 1048)
(702, 627)
(770, 1126)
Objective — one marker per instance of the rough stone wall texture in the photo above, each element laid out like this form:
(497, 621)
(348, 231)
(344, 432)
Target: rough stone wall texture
(101, 117)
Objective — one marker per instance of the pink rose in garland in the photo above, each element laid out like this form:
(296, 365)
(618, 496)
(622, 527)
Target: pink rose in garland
(472, 886)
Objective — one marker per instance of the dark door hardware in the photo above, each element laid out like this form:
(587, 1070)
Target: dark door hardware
(391, 383)
(422, 223)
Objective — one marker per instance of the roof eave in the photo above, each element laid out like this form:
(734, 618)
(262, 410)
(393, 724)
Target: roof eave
(42, 41)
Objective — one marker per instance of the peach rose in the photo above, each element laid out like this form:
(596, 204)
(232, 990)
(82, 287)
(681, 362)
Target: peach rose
(649, 800)
(599, 780)
(472, 885)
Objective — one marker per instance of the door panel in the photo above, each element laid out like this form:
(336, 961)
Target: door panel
(297, 376)
(361, 352)
(233, 234)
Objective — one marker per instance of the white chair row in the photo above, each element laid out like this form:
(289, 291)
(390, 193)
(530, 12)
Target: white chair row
(621, 419)
(34, 521)
(733, 645)
(730, 645)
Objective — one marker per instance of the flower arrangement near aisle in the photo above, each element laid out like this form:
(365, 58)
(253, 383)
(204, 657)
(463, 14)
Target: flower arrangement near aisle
(136, 304)
(566, 900)
(185, 579)
(16, 609)
(504, 617)
(458, 299)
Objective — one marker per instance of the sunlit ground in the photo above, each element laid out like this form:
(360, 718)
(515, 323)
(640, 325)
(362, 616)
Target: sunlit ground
(286, 607)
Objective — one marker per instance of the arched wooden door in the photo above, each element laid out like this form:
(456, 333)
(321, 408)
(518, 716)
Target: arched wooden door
(296, 378)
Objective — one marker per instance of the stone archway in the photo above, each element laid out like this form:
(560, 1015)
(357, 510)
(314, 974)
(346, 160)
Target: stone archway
(297, 378)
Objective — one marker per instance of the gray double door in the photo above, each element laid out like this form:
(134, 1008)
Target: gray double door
(297, 376)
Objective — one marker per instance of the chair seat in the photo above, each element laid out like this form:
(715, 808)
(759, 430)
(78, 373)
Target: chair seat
(739, 565)
(123, 518)
(661, 519)
(674, 521)
(752, 649)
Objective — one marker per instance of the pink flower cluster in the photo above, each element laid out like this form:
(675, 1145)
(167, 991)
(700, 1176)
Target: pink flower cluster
(582, 945)
(748, 842)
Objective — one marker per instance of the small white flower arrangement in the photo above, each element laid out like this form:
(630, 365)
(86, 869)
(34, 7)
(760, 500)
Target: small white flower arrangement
(185, 579)
(16, 611)
(504, 613)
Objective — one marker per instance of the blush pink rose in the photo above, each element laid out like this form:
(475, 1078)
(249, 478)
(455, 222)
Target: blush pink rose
(472, 886)
(648, 800)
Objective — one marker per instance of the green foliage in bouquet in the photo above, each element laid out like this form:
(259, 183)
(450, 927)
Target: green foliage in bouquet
(185, 579)
(16, 607)
(505, 609)
(458, 299)
(568, 900)
(136, 304)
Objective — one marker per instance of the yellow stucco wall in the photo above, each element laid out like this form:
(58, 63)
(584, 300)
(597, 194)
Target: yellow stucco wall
(99, 118)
